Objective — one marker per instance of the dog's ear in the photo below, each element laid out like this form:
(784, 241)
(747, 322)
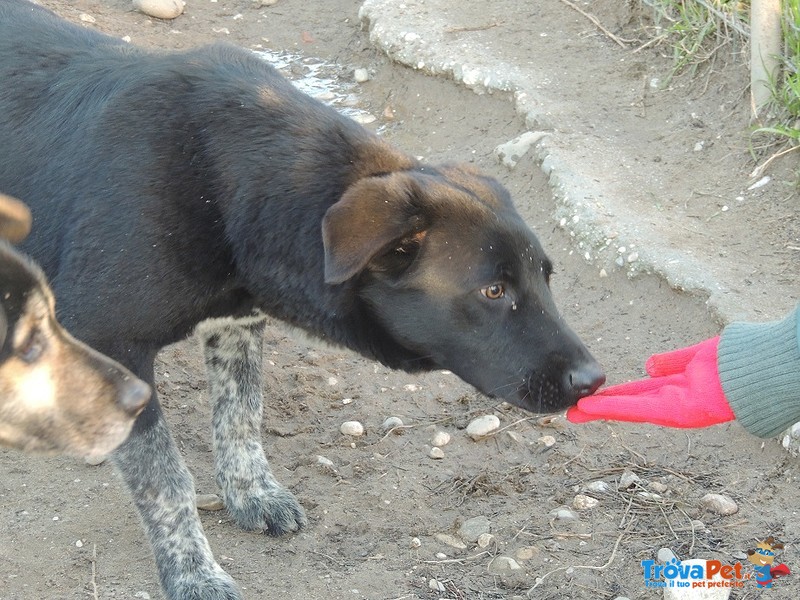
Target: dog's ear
(3, 326)
(15, 219)
(373, 215)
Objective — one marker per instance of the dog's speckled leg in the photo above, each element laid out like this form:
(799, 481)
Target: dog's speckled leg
(163, 491)
(233, 357)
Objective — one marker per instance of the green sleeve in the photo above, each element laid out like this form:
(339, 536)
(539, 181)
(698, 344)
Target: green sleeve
(759, 369)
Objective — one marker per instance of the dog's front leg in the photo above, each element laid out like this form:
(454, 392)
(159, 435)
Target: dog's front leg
(233, 356)
(163, 491)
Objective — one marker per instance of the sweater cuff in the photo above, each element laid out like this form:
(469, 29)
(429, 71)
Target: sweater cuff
(759, 369)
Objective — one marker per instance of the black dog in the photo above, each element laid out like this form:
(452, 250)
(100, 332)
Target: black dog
(173, 188)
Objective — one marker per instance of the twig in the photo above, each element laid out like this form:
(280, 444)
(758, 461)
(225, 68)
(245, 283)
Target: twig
(759, 170)
(455, 560)
(473, 28)
(94, 572)
(596, 23)
(540, 580)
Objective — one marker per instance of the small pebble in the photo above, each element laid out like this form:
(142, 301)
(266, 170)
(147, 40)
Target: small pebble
(527, 552)
(628, 480)
(665, 555)
(87, 18)
(440, 438)
(353, 428)
(160, 9)
(79, 543)
(657, 487)
(325, 462)
(209, 502)
(547, 441)
(502, 565)
(473, 528)
(719, 504)
(582, 502)
(361, 75)
(598, 487)
(451, 541)
(436, 453)
(415, 542)
(391, 423)
(95, 460)
(485, 540)
(564, 513)
(483, 426)
(436, 586)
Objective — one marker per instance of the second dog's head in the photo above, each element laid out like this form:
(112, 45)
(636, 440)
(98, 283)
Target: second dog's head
(56, 394)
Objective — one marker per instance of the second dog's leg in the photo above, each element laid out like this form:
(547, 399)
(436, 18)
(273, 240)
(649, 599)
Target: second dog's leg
(233, 356)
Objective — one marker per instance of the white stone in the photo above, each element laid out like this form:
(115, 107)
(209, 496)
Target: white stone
(436, 453)
(696, 593)
(391, 423)
(451, 541)
(598, 487)
(485, 540)
(511, 152)
(353, 428)
(209, 502)
(564, 513)
(440, 438)
(483, 426)
(502, 565)
(361, 75)
(583, 502)
(161, 9)
(628, 479)
(719, 504)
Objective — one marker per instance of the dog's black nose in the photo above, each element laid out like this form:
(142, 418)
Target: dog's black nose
(585, 380)
(132, 395)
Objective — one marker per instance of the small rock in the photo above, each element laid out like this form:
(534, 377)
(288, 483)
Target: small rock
(436, 586)
(511, 152)
(209, 502)
(684, 591)
(95, 460)
(436, 453)
(582, 502)
(364, 118)
(657, 487)
(79, 544)
(451, 541)
(598, 487)
(353, 428)
(633, 257)
(87, 18)
(546, 441)
(527, 552)
(564, 513)
(441, 555)
(665, 555)
(503, 565)
(391, 423)
(483, 426)
(415, 542)
(628, 480)
(325, 462)
(719, 504)
(440, 438)
(361, 75)
(603, 273)
(473, 528)
(485, 540)
(160, 9)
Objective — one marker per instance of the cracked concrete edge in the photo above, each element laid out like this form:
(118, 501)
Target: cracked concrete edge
(591, 229)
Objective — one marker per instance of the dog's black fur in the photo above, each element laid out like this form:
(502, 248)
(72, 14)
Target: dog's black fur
(173, 188)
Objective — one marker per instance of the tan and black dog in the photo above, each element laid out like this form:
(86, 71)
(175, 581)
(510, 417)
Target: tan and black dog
(173, 188)
(56, 394)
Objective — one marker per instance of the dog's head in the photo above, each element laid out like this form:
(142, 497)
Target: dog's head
(56, 394)
(451, 272)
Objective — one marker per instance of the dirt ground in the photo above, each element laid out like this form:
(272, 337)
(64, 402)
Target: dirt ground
(384, 517)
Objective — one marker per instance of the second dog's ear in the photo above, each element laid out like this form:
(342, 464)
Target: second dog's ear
(15, 219)
(372, 215)
(3, 326)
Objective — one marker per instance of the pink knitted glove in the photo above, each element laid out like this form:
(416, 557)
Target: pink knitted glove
(683, 391)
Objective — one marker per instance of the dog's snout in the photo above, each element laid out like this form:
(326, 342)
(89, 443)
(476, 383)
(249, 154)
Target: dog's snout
(133, 395)
(585, 380)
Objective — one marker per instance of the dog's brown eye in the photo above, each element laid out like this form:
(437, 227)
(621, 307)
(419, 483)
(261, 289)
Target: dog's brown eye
(494, 292)
(32, 348)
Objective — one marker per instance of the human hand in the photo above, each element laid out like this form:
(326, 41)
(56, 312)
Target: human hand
(683, 390)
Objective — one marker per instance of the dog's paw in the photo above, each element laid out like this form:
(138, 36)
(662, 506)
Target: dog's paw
(202, 585)
(267, 507)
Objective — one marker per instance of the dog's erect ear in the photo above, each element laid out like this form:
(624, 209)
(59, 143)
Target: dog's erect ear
(373, 214)
(15, 219)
